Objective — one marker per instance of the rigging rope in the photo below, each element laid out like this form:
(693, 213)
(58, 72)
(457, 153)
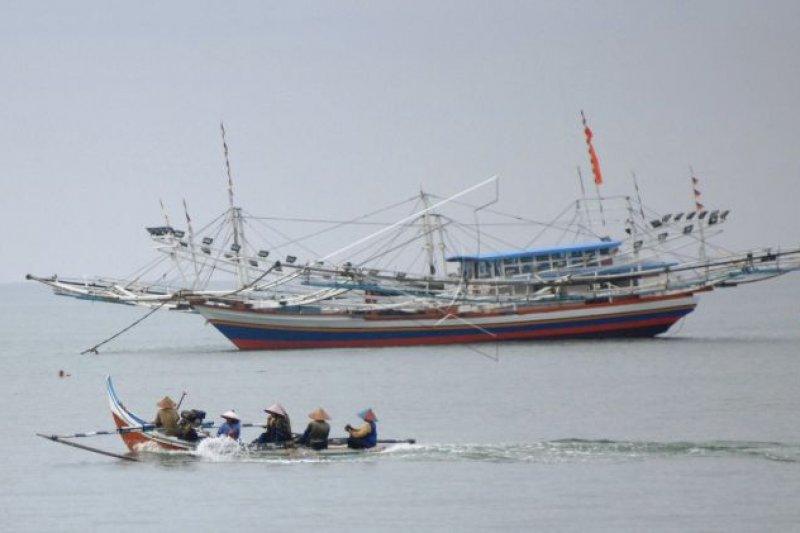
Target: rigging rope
(94, 348)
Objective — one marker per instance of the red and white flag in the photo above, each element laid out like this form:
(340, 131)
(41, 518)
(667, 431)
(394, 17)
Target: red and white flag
(598, 176)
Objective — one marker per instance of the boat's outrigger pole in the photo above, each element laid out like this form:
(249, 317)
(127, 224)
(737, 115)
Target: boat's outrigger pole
(56, 438)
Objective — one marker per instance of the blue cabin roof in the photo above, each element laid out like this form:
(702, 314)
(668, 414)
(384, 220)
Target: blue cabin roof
(538, 252)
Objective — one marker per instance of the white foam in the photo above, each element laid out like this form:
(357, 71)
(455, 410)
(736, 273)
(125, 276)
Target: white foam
(219, 449)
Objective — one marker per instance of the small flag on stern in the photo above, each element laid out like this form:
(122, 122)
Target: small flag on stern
(598, 177)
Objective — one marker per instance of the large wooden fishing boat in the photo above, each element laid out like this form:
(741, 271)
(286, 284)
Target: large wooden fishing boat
(631, 316)
(604, 267)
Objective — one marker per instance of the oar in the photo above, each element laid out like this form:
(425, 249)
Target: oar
(102, 432)
(55, 438)
(397, 441)
(343, 440)
(118, 431)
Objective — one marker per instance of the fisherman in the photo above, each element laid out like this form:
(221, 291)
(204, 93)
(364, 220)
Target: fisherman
(316, 434)
(190, 421)
(367, 435)
(232, 426)
(167, 416)
(278, 429)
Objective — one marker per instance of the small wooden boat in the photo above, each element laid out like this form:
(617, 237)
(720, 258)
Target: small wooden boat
(139, 434)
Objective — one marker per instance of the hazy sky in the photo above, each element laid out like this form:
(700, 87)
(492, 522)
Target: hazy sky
(333, 108)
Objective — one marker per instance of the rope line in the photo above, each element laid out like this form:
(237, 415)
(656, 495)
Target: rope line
(94, 348)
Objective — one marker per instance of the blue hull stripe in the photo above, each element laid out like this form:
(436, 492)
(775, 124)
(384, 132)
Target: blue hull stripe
(268, 333)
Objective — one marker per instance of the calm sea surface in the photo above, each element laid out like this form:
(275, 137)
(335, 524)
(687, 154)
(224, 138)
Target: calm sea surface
(696, 431)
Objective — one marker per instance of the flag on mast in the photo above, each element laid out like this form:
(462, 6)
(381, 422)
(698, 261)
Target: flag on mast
(695, 182)
(598, 176)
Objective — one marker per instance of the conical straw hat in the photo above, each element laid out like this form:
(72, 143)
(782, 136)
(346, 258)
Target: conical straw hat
(230, 415)
(319, 415)
(276, 409)
(166, 403)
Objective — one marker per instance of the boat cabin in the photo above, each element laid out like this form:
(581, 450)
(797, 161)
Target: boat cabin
(542, 262)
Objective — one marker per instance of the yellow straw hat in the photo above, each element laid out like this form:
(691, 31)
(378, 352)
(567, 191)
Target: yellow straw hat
(166, 403)
(319, 415)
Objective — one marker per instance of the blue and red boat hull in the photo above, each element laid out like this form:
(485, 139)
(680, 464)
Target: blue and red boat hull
(636, 316)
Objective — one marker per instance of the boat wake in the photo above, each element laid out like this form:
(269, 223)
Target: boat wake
(594, 451)
(562, 451)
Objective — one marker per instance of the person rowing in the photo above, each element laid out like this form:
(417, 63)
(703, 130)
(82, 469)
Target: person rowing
(278, 429)
(167, 416)
(365, 436)
(190, 421)
(316, 434)
(232, 426)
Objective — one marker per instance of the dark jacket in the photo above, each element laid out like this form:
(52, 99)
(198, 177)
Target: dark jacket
(186, 431)
(316, 435)
(278, 431)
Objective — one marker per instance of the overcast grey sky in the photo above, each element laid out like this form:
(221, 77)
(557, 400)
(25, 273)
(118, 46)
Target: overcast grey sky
(333, 108)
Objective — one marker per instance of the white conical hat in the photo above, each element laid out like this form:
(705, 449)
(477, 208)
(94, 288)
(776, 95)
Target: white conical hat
(230, 415)
(276, 409)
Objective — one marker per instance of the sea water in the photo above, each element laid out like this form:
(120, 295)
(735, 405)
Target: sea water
(698, 430)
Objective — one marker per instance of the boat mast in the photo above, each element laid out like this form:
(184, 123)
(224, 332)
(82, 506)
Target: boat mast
(432, 222)
(595, 163)
(632, 227)
(583, 200)
(190, 230)
(172, 254)
(235, 214)
(638, 197)
(631, 215)
(698, 207)
(427, 231)
(442, 246)
(164, 213)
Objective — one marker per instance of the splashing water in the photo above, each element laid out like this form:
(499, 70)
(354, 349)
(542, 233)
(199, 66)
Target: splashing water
(153, 447)
(220, 449)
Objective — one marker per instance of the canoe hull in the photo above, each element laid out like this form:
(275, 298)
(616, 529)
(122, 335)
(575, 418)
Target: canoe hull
(128, 426)
(299, 452)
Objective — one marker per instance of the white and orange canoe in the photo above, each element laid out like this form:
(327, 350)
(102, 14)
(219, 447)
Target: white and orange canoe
(140, 435)
(137, 433)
